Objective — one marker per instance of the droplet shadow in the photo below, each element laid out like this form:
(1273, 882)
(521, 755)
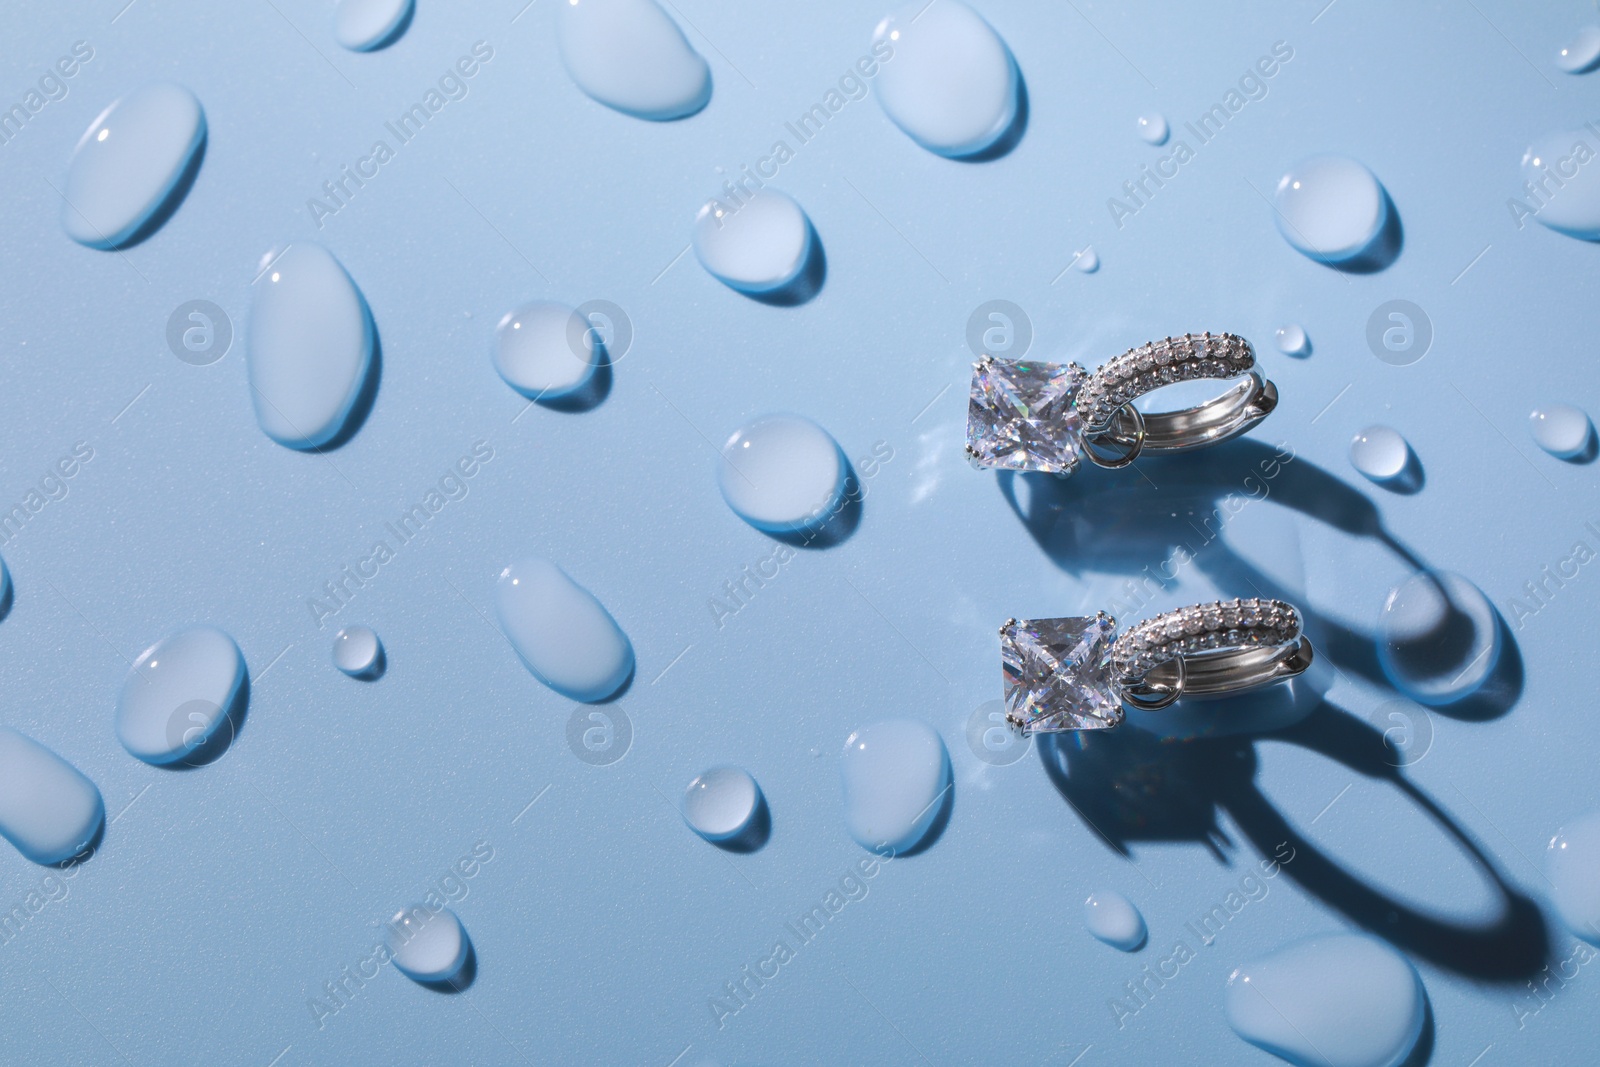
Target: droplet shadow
(1384, 249)
(366, 397)
(222, 738)
(462, 979)
(808, 283)
(591, 394)
(171, 202)
(1008, 140)
(838, 523)
(755, 836)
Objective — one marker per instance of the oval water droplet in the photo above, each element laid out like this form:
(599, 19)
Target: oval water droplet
(951, 83)
(1338, 1000)
(1582, 53)
(1292, 340)
(1573, 864)
(564, 635)
(310, 347)
(1153, 127)
(1438, 638)
(544, 350)
(363, 25)
(1560, 186)
(1114, 919)
(358, 652)
(1087, 261)
(895, 775)
(720, 804)
(131, 165)
(782, 473)
(1561, 430)
(1380, 453)
(630, 55)
(428, 945)
(179, 694)
(48, 809)
(756, 247)
(1331, 208)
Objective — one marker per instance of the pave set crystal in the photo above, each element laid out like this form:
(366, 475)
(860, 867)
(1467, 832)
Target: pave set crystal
(1224, 624)
(1149, 367)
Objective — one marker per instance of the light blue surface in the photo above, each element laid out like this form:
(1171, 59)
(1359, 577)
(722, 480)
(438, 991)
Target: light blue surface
(225, 897)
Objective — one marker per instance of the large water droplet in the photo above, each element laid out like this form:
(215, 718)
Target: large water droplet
(1582, 53)
(131, 164)
(564, 635)
(1380, 453)
(1573, 865)
(720, 804)
(895, 775)
(1561, 430)
(545, 351)
(363, 25)
(179, 694)
(1153, 127)
(1331, 208)
(48, 809)
(1561, 184)
(1438, 638)
(782, 473)
(757, 246)
(630, 55)
(358, 652)
(1292, 340)
(951, 83)
(311, 345)
(1338, 1000)
(426, 945)
(1112, 918)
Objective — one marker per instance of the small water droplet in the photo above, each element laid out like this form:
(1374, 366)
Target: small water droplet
(1561, 184)
(952, 84)
(563, 633)
(1292, 340)
(131, 161)
(365, 25)
(895, 774)
(1573, 864)
(720, 804)
(544, 350)
(179, 693)
(1153, 127)
(782, 473)
(1582, 53)
(1087, 261)
(311, 341)
(1331, 208)
(48, 809)
(1339, 999)
(1561, 430)
(1380, 453)
(358, 652)
(427, 945)
(630, 55)
(1114, 919)
(1438, 638)
(757, 246)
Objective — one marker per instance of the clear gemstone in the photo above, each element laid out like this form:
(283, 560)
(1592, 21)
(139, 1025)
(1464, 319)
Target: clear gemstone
(1058, 674)
(1020, 415)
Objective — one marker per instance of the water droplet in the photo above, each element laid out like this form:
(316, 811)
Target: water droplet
(179, 693)
(133, 159)
(311, 343)
(1582, 53)
(895, 775)
(1573, 864)
(545, 351)
(1338, 1000)
(1292, 340)
(364, 25)
(428, 945)
(1153, 127)
(1561, 430)
(1561, 184)
(720, 804)
(782, 473)
(1380, 453)
(1331, 208)
(759, 246)
(952, 84)
(1087, 261)
(630, 55)
(48, 809)
(1112, 918)
(564, 635)
(358, 652)
(1438, 638)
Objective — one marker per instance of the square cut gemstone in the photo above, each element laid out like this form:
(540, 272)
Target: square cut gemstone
(1020, 415)
(1058, 674)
